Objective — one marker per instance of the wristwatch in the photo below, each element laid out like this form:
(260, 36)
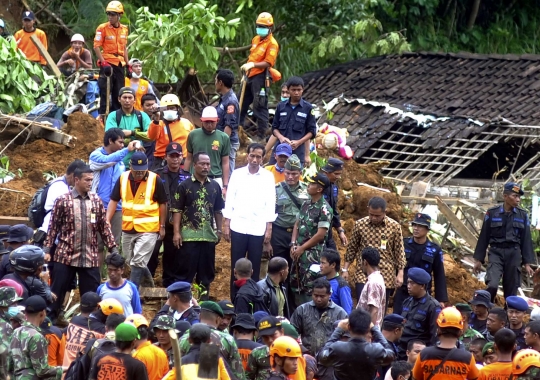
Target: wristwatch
(292, 243)
(341, 229)
(344, 270)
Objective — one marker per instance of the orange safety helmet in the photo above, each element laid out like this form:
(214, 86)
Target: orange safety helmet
(525, 359)
(286, 347)
(111, 305)
(450, 317)
(137, 320)
(115, 6)
(265, 19)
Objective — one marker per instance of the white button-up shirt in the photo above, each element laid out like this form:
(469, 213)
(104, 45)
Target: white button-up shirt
(251, 201)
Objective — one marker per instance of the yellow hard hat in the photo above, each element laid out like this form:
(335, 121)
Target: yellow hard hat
(525, 359)
(115, 6)
(286, 347)
(111, 305)
(137, 320)
(265, 19)
(170, 100)
(450, 317)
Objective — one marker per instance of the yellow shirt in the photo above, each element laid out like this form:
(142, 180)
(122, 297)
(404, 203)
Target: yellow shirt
(154, 358)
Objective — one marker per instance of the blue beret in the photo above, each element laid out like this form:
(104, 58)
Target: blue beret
(517, 303)
(419, 276)
(179, 287)
(258, 315)
(394, 319)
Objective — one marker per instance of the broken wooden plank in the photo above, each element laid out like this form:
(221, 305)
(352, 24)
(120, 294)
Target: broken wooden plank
(43, 51)
(457, 224)
(432, 201)
(154, 293)
(54, 135)
(12, 220)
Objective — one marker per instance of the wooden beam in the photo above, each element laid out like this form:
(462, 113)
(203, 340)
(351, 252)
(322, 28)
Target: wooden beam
(457, 224)
(405, 199)
(154, 293)
(54, 135)
(12, 220)
(46, 55)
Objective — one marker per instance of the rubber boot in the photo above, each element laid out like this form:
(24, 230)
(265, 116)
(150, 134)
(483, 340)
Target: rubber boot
(148, 275)
(137, 275)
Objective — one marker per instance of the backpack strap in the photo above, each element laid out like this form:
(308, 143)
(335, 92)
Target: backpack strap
(285, 187)
(120, 114)
(441, 364)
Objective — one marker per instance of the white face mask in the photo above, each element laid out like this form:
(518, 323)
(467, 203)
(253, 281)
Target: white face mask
(134, 75)
(170, 115)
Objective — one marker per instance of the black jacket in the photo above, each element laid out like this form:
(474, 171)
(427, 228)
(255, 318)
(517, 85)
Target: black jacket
(32, 286)
(270, 297)
(347, 357)
(249, 298)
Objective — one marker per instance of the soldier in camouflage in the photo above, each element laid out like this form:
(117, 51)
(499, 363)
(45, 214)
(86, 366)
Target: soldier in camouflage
(163, 324)
(211, 313)
(28, 360)
(8, 298)
(309, 238)
(258, 365)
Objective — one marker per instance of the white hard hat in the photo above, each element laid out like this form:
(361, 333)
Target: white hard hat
(535, 314)
(133, 61)
(77, 37)
(209, 114)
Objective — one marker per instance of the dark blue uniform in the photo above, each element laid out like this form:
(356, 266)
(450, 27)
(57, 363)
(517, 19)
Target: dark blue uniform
(429, 257)
(294, 123)
(508, 236)
(421, 315)
(228, 111)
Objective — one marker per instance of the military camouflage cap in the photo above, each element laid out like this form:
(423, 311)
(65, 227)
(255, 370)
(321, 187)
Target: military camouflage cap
(165, 322)
(293, 163)
(8, 296)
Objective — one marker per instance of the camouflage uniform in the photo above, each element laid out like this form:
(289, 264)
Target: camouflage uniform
(6, 332)
(258, 365)
(166, 322)
(468, 336)
(311, 217)
(28, 360)
(227, 347)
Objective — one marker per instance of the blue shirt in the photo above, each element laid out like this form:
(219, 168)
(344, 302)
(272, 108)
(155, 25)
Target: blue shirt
(127, 294)
(107, 169)
(341, 293)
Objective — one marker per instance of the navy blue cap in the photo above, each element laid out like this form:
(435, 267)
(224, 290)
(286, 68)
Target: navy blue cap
(512, 187)
(394, 319)
(419, 276)
(179, 287)
(332, 165)
(283, 149)
(139, 161)
(422, 220)
(517, 303)
(482, 297)
(28, 15)
(34, 304)
(227, 307)
(258, 315)
(320, 179)
(19, 233)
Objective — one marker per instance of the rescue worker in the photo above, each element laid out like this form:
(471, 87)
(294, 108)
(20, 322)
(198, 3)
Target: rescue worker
(526, 365)
(8, 300)
(420, 310)
(481, 305)
(244, 331)
(333, 170)
(136, 81)
(98, 319)
(228, 111)
(28, 348)
(516, 307)
(469, 334)
(285, 352)
(180, 304)
(75, 57)
(161, 328)
(258, 363)
(459, 363)
(422, 253)
(24, 40)
(308, 238)
(144, 214)
(262, 58)
(110, 46)
(282, 152)
(56, 340)
(506, 230)
(168, 129)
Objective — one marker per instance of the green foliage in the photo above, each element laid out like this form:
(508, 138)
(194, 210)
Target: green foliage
(198, 291)
(173, 42)
(4, 169)
(24, 83)
(50, 175)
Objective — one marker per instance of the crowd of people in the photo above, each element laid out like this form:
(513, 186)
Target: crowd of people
(161, 187)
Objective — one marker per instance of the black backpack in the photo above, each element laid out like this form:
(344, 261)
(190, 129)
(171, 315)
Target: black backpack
(36, 210)
(78, 369)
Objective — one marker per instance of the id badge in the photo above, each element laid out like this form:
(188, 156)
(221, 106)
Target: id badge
(92, 218)
(383, 242)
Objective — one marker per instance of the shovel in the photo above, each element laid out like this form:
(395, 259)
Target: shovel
(177, 354)
(208, 361)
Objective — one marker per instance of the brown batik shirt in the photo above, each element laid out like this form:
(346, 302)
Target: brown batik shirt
(387, 238)
(76, 221)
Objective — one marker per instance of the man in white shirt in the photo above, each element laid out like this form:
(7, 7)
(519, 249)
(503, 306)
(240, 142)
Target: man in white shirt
(249, 211)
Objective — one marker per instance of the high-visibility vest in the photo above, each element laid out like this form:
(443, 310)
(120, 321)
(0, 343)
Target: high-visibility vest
(139, 212)
(141, 91)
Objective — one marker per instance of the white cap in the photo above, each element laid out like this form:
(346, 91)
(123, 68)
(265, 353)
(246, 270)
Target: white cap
(133, 61)
(535, 314)
(77, 37)
(209, 114)
(2, 25)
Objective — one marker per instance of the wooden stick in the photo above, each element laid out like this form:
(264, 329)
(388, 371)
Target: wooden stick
(14, 191)
(43, 51)
(233, 50)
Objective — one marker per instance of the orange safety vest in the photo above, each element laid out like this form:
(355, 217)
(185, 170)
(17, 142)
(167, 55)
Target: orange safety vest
(141, 91)
(113, 41)
(77, 63)
(139, 212)
(263, 50)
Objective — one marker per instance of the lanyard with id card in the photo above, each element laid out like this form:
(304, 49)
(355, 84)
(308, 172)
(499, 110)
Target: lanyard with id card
(384, 241)
(93, 216)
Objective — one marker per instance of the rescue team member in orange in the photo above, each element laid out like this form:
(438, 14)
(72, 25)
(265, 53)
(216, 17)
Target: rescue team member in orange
(110, 45)
(24, 42)
(169, 128)
(75, 57)
(505, 344)
(264, 51)
(136, 81)
(445, 361)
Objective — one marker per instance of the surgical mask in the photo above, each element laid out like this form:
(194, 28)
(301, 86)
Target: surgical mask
(283, 99)
(170, 115)
(263, 32)
(135, 75)
(12, 311)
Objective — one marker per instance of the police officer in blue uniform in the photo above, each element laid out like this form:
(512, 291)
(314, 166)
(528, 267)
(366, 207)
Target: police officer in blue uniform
(171, 175)
(392, 328)
(516, 309)
(420, 310)
(422, 253)
(506, 230)
(181, 307)
(228, 111)
(333, 170)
